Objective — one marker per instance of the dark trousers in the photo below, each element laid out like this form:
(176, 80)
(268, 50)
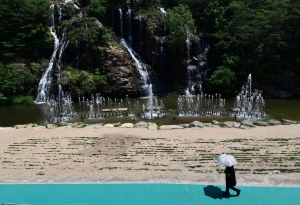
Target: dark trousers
(230, 187)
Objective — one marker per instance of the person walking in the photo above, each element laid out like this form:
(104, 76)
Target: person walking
(230, 180)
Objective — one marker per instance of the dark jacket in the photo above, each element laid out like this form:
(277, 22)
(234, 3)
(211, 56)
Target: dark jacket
(230, 176)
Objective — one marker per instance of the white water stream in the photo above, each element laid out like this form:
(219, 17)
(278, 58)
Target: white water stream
(139, 66)
(45, 82)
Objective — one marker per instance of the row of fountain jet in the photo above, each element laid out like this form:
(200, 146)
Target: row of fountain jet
(61, 108)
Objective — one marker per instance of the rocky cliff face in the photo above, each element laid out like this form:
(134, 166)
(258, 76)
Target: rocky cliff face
(90, 66)
(122, 78)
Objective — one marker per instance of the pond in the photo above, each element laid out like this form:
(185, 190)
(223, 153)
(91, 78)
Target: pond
(21, 114)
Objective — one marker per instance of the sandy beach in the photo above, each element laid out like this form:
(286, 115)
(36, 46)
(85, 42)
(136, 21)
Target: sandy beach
(267, 156)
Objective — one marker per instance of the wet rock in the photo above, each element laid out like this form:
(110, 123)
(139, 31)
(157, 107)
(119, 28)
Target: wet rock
(261, 123)
(152, 126)
(127, 125)
(274, 122)
(215, 122)
(170, 127)
(196, 124)
(248, 123)
(141, 124)
(229, 124)
(287, 122)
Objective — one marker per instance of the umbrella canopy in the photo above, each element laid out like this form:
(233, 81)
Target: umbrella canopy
(226, 160)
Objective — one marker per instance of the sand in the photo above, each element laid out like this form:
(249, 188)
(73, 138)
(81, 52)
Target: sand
(267, 156)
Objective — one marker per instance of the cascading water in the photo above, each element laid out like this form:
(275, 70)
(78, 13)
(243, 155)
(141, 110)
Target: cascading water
(60, 15)
(249, 104)
(140, 67)
(197, 67)
(129, 27)
(45, 82)
(163, 40)
(191, 69)
(63, 44)
(163, 11)
(141, 43)
(202, 52)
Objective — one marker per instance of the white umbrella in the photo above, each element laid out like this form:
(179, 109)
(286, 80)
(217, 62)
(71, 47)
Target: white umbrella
(226, 160)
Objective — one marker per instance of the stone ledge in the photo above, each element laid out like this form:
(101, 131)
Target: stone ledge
(170, 127)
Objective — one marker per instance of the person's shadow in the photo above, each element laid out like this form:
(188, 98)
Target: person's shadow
(214, 192)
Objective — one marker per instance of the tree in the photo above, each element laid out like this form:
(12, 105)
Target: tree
(179, 22)
(23, 26)
(96, 9)
(223, 80)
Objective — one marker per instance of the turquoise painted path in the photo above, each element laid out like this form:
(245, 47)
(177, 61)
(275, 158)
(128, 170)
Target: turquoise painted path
(143, 194)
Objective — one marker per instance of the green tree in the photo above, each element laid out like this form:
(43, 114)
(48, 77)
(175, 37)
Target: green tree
(179, 22)
(96, 9)
(223, 80)
(212, 18)
(23, 26)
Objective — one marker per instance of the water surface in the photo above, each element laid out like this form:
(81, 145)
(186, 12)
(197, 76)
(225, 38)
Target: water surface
(19, 114)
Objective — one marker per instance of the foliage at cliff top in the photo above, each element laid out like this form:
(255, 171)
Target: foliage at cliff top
(23, 27)
(179, 22)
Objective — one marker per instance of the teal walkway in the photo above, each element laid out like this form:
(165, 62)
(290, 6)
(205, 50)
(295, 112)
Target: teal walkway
(143, 194)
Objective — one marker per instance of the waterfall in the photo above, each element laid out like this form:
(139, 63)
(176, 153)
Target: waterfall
(163, 11)
(196, 66)
(140, 34)
(45, 82)
(202, 51)
(129, 27)
(140, 67)
(121, 22)
(63, 45)
(163, 40)
(190, 88)
(60, 15)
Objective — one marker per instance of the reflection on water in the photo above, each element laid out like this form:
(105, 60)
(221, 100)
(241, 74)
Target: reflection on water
(275, 108)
